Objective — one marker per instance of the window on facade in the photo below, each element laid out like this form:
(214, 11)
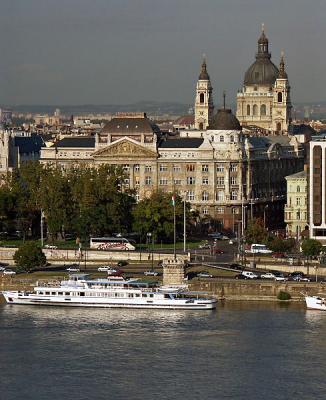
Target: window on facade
(220, 168)
(163, 181)
(279, 97)
(234, 195)
(204, 168)
(191, 180)
(190, 167)
(231, 138)
(137, 197)
(126, 168)
(298, 189)
(298, 201)
(233, 180)
(220, 195)
(137, 181)
(201, 126)
(220, 210)
(201, 98)
(221, 138)
(148, 168)
(205, 181)
(176, 168)
(235, 210)
(177, 182)
(220, 180)
(233, 168)
(205, 196)
(190, 195)
(248, 109)
(263, 109)
(148, 180)
(255, 110)
(163, 168)
(205, 211)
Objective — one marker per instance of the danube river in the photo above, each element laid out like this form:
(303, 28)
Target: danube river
(240, 351)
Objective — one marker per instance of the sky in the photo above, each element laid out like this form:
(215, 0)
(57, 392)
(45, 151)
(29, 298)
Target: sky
(72, 52)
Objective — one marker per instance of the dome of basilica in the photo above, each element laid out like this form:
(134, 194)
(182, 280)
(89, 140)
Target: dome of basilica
(262, 71)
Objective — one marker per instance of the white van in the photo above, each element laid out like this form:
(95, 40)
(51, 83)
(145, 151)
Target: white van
(259, 248)
(249, 275)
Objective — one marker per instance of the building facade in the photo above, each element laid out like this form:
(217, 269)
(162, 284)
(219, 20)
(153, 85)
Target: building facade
(220, 171)
(317, 188)
(296, 208)
(264, 100)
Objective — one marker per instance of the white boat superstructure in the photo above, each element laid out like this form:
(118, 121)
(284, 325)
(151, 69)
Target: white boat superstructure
(115, 292)
(316, 302)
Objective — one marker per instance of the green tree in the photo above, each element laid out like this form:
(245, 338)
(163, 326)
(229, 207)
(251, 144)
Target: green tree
(29, 256)
(280, 245)
(256, 232)
(155, 215)
(311, 247)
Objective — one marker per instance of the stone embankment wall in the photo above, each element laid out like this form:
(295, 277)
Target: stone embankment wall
(229, 289)
(69, 256)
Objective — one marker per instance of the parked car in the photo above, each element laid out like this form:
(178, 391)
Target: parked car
(2, 269)
(104, 269)
(240, 276)
(214, 250)
(278, 255)
(150, 273)
(267, 275)
(72, 269)
(50, 246)
(9, 272)
(236, 266)
(280, 277)
(298, 276)
(204, 274)
(249, 275)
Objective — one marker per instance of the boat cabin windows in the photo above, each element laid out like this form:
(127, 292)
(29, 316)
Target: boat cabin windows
(144, 295)
(47, 293)
(137, 294)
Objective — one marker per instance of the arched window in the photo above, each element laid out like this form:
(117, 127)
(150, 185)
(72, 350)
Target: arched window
(221, 138)
(201, 98)
(231, 138)
(263, 109)
(248, 109)
(255, 109)
(201, 126)
(279, 97)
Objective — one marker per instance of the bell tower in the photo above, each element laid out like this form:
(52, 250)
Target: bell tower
(281, 115)
(204, 106)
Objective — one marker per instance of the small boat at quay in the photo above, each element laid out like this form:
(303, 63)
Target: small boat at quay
(316, 302)
(113, 292)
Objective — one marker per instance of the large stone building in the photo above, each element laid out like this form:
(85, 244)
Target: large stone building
(220, 171)
(296, 208)
(317, 188)
(264, 100)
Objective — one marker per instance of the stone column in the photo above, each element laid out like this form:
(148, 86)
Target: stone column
(173, 272)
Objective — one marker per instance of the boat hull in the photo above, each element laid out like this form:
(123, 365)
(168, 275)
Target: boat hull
(21, 299)
(315, 303)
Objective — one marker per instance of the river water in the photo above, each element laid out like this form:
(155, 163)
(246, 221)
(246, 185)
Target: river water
(240, 351)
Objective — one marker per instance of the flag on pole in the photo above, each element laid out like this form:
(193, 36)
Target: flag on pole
(173, 200)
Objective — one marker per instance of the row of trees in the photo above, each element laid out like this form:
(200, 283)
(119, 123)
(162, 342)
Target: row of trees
(83, 201)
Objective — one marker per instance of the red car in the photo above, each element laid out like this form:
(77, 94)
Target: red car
(278, 255)
(216, 251)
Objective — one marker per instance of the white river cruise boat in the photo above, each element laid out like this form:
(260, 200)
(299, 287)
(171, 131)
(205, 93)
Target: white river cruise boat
(316, 302)
(114, 292)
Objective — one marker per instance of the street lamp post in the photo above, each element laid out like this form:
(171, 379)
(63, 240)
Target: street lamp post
(266, 206)
(184, 225)
(42, 233)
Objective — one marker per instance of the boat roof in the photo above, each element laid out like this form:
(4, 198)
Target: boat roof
(106, 281)
(79, 276)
